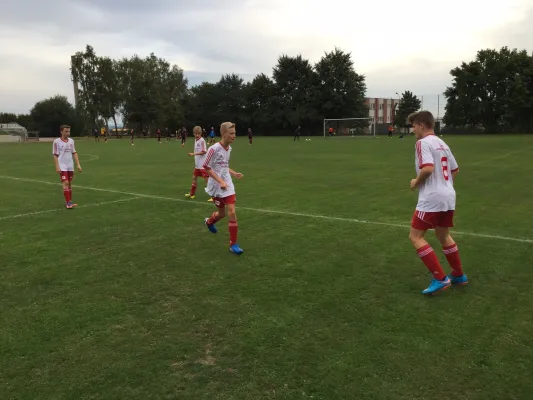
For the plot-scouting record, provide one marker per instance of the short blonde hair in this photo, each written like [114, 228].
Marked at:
[197, 130]
[63, 127]
[224, 126]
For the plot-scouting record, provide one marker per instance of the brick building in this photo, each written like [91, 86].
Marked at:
[382, 109]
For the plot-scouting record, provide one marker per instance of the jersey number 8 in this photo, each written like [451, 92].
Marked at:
[444, 163]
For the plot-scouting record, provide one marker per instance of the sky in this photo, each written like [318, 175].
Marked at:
[397, 45]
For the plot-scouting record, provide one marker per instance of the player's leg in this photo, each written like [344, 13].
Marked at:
[70, 178]
[192, 192]
[451, 251]
[216, 216]
[233, 228]
[419, 227]
[64, 183]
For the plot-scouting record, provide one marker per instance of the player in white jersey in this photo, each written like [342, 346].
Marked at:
[64, 156]
[220, 185]
[436, 169]
[199, 154]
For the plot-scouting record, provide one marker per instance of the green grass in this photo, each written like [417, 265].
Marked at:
[136, 300]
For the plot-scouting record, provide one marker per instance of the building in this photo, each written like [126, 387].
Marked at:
[382, 109]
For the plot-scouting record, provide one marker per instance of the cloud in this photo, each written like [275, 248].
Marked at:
[207, 38]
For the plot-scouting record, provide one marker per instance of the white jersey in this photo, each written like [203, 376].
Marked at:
[199, 146]
[437, 192]
[64, 151]
[217, 159]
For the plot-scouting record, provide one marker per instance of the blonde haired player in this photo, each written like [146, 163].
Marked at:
[64, 156]
[200, 151]
[436, 169]
[220, 185]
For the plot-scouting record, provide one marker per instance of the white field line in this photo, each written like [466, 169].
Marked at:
[63, 208]
[278, 212]
[94, 157]
[486, 160]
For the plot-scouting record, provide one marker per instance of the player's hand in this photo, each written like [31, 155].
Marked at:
[413, 184]
[58, 170]
[79, 168]
[190, 154]
[238, 175]
[224, 186]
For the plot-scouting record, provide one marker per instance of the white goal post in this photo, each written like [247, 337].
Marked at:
[350, 127]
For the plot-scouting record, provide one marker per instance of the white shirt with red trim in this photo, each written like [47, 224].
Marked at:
[217, 159]
[64, 151]
[199, 146]
[437, 192]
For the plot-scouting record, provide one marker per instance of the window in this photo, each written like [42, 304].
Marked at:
[380, 119]
[381, 106]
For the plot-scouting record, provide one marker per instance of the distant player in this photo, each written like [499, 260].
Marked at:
[220, 185]
[96, 136]
[250, 135]
[212, 136]
[436, 170]
[183, 136]
[391, 130]
[297, 133]
[168, 134]
[200, 151]
[64, 156]
[158, 134]
[132, 135]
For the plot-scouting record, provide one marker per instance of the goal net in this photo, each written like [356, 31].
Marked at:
[350, 127]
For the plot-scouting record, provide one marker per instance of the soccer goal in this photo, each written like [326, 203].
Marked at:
[350, 127]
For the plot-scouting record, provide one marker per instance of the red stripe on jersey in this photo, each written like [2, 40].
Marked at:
[426, 165]
[208, 158]
[455, 170]
[419, 152]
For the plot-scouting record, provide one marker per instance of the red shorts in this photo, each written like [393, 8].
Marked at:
[221, 202]
[66, 175]
[423, 220]
[201, 173]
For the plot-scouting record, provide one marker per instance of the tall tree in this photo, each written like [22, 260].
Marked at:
[494, 91]
[259, 95]
[409, 103]
[296, 89]
[341, 91]
[49, 114]
[84, 71]
[107, 93]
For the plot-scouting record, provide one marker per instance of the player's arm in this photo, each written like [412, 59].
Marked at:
[423, 175]
[237, 175]
[209, 170]
[454, 166]
[77, 159]
[55, 154]
[426, 165]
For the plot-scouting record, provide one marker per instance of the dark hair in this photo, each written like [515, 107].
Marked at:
[422, 117]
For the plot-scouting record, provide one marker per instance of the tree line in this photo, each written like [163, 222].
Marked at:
[493, 93]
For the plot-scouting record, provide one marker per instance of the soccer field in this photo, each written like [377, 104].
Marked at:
[130, 297]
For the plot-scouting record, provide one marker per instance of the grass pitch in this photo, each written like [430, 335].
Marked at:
[130, 297]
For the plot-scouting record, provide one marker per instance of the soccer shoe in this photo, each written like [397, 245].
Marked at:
[71, 205]
[210, 200]
[459, 280]
[436, 286]
[235, 249]
[212, 228]
[188, 195]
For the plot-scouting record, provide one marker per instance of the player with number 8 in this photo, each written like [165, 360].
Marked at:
[436, 169]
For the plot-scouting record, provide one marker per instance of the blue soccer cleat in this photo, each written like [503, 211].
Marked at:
[436, 286]
[459, 280]
[234, 248]
[212, 228]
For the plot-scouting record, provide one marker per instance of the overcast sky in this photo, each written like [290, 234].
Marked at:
[397, 45]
